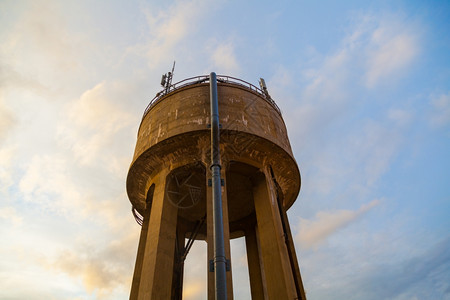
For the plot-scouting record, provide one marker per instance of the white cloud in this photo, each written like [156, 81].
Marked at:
[328, 82]
[39, 47]
[94, 121]
[47, 183]
[168, 28]
[380, 47]
[324, 97]
[373, 149]
[334, 113]
[7, 119]
[103, 269]
[401, 117]
[59, 186]
[224, 59]
[348, 163]
[6, 179]
[312, 232]
[390, 52]
[376, 50]
[10, 214]
[441, 110]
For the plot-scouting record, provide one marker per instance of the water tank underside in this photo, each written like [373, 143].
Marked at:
[174, 136]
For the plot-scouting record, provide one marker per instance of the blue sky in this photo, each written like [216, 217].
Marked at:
[364, 87]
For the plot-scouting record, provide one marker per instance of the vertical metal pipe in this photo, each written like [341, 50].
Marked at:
[219, 248]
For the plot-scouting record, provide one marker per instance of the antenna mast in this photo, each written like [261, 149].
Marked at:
[166, 79]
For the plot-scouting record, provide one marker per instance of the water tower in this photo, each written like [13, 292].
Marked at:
[213, 162]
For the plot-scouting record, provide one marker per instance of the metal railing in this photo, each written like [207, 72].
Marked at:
[137, 216]
[204, 79]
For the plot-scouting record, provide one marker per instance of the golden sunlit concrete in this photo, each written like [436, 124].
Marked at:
[168, 185]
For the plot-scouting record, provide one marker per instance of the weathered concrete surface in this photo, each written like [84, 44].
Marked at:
[187, 109]
[175, 132]
[257, 286]
[171, 160]
[157, 261]
[279, 280]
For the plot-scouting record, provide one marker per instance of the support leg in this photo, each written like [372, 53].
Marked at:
[254, 265]
[157, 262]
[277, 271]
[140, 256]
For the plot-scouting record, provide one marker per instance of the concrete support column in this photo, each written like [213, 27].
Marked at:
[157, 261]
[210, 239]
[289, 241]
[254, 264]
[226, 235]
[178, 266]
[140, 256]
[277, 271]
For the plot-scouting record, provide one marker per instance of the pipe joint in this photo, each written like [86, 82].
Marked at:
[215, 165]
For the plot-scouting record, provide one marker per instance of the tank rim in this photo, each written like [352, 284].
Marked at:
[201, 79]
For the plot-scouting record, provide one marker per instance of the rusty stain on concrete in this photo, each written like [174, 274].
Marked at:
[174, 144]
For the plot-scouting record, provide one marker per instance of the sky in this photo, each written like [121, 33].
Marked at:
[364, 88]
